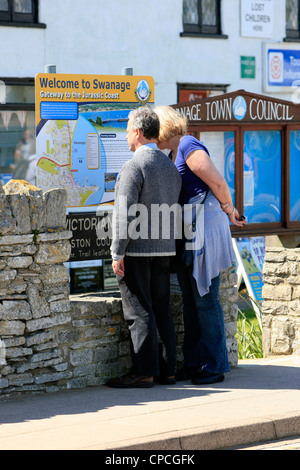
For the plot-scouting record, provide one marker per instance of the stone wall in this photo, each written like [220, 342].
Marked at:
[281, 306]
[101, 342]
[50, 340]
[34, 287]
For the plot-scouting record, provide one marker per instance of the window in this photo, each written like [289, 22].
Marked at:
[262, 176]
[192, 91]
[17, 130]
[294, 190]
[19, 11]
[201, 17]
[292, 19]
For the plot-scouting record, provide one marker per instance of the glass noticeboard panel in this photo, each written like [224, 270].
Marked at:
[294, 175]
[262, 176]
[221, 147]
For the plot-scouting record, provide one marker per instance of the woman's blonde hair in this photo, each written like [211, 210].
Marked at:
[171, 123]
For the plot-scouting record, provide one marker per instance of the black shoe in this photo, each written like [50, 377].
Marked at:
[130, 381]
[204, 377]
[165, 380]
[185, 373]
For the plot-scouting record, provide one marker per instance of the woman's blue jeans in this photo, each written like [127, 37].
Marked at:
[204, 344]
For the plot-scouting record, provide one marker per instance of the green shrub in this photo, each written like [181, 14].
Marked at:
[249, 333]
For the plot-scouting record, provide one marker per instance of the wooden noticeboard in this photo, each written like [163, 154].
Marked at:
[265, 190]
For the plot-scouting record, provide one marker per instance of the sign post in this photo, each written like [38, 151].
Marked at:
[81, 123]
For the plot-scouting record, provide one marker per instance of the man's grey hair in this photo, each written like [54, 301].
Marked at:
[146, 120]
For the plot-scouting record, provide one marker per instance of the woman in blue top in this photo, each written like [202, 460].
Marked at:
[205, 352]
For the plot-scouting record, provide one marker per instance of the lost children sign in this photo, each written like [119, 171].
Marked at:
[257, 18]
[81, 123]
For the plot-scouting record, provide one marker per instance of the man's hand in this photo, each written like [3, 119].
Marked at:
[118, 267]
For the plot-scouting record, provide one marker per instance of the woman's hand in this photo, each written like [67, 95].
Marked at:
[236, 219]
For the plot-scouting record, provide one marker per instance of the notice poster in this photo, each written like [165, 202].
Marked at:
[221, 148]
[214, 142]
[250, 254]
[81, 123]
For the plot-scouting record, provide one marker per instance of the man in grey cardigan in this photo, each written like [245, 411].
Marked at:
[146, 198]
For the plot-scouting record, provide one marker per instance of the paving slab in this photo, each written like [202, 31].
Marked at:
[258, 401]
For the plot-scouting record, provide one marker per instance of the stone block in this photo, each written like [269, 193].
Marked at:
[47, 322]
[20, 262]
[13, 342]
[20, 379]
[20, 210]
[54, 236]
[81, 357]
[52, 275]
[296, 292]
[106, 354]
[16, 240]
[39, 338]
[3, 383]
[56, 204]
[12, 328]
[15, 310]
[294, 307]
[17, 286]
[276, 269]
[281, 292]
[60, 306]
[39, 306]
[274, 255]
[7, 275]
[54, 253]
[282, 332]
[37, 211]
[45, 356]
[52, 377]
[270, 307]
[7, 221]
[87, 369]
[18, 352]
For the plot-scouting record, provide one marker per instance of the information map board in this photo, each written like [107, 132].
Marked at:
[81, 123]
[250, 255]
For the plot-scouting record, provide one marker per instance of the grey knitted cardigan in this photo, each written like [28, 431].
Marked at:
[150, 180]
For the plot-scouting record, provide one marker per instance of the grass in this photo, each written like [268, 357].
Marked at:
[249, 332]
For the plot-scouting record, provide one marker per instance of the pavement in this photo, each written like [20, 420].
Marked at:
[259, 401]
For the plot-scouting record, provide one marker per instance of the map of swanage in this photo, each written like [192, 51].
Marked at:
[71, 157]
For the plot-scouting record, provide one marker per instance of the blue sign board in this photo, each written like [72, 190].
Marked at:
[283, 67]
[250, 255]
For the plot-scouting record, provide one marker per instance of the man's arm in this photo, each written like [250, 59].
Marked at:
[128, 187]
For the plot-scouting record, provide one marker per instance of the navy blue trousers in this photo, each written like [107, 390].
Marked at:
[145, 292]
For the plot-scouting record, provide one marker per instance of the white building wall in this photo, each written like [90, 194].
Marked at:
[102, 37]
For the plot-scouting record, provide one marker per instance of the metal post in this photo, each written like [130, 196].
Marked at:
[127, 71]
[51, 68]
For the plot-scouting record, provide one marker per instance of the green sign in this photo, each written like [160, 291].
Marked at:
[247, 67]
